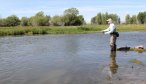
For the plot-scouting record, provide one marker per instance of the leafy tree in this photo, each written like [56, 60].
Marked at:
[24, 21]
[79, 20]
[133, 19]
[119, 21]
[12, 20]
[93, 20]
[114, 17]
[127, 19]
[71, 11]
[57, 20]
[144, 17]
[2, 22]
[141, 17]
[101, 18]
[72, 17]
[104, 18]
[39, 19]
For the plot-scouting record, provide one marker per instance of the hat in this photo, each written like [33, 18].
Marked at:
[109, 20]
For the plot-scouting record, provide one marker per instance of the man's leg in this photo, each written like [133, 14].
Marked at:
[113, 42]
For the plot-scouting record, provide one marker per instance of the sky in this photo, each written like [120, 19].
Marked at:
[87, 8]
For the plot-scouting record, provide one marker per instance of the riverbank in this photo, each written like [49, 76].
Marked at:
[19, 30]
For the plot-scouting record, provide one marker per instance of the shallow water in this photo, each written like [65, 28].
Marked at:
[71, 59]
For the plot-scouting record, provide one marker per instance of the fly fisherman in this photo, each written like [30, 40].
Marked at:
[112, 31]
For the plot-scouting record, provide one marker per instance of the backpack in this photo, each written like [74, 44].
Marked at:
[117, 34]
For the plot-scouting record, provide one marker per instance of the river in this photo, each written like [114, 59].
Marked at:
[71, 59]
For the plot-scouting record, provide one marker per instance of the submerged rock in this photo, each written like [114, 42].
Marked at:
[124, 48]
[139, 49]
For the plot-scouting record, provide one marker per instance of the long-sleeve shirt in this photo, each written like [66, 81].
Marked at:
[110, 29]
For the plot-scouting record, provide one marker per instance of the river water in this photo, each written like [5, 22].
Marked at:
[71, 59]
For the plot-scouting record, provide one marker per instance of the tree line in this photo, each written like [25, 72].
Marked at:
[70, 17]
[136, 19]
[101, 18]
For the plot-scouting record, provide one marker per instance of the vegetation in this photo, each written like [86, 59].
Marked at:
[33, 30]
[101, 18]
[70, 17]
[67, 23]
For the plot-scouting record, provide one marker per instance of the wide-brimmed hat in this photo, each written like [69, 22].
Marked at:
[109, 20]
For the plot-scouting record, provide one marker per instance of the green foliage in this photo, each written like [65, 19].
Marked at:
[12, 20]
[72, 17]
[39, 20]
[2, 22]
[141, 17]
[57, 20]
[93, 20]
[101, 18]
[131, 19]
[71, 11]
[24, 21]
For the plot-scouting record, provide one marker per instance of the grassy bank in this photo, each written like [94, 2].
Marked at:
[7, 31]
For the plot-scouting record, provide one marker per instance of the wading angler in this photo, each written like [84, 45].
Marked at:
[113, 34]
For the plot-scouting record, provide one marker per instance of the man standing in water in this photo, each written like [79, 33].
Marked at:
[112, 31]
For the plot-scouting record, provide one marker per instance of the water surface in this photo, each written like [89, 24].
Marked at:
[71, 59]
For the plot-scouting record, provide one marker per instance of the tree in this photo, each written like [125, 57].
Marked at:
[144, 17]
[119, 21]
[40, 14]
[99, 18]
[141, 17]
[114, 18]
[2, 22]
[133, 19]
[24, 21]
[12, 20]
[127, 19]
[93, 20]
[72, 17]
[71, 11]
[57, 20]
[79, 20]
[104, 18]
[39, 19]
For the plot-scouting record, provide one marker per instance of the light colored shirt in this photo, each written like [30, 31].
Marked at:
[110, 29]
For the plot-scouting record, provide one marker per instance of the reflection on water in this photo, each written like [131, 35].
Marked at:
[113, 65]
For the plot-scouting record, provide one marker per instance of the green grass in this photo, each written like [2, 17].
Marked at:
[134, 27]
[9, 31]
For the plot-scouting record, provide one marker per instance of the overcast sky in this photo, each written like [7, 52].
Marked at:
[87, 8]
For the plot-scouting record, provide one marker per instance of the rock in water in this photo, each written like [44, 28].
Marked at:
[124, 48]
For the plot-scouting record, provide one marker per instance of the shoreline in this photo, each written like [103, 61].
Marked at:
[86, 29]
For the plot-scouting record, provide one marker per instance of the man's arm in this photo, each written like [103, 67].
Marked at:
[106, 30]
[111, 29]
